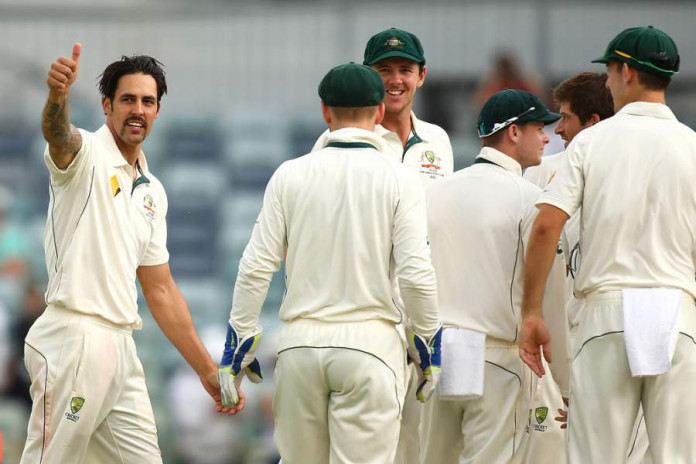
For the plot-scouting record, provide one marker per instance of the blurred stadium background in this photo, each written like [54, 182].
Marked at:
[242, 98]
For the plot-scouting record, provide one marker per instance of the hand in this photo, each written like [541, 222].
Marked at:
[212, 386]
[563, 414]
[427, 356]
[237, 360]
[534, 334]
[63, 73]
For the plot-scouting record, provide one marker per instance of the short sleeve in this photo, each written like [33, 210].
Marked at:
[78, 168]
[565, 191]
[156, 252]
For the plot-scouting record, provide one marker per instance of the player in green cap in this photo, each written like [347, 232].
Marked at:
[479, 220]
[632, 174]
[398, 57]
[337, 217]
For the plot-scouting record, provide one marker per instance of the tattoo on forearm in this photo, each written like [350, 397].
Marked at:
[63, 138]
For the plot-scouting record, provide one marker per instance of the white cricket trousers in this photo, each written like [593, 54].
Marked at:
[544, 441]
[604, 397]
[90, 402]
[408, 449]
[335, 402]
[485, 430]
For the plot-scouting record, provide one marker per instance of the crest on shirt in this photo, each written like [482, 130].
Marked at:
[430, 160]
[149, 207]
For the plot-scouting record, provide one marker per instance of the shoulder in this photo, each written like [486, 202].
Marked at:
[433, 132]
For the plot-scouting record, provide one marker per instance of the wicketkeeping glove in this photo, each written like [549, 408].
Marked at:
[238, 360]
[427, 356]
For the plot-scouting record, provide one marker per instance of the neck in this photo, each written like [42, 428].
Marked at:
[336, 125]
[649, 96]
[399, 123]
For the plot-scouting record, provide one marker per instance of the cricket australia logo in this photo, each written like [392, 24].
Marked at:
[540, 416]
[394, 43]
[75, 405]
[150, 208]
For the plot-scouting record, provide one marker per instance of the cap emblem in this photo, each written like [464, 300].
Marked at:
[394, 43]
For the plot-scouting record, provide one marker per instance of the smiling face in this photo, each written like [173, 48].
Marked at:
[401, 78]
[132, 111]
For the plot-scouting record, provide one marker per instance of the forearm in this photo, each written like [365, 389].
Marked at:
[63, 138]
[541, 252]
[171, 313]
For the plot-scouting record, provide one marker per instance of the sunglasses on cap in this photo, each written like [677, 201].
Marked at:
[502, 125]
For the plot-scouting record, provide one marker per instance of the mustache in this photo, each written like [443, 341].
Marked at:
[135, 119]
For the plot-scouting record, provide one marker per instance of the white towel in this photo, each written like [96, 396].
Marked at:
[463, 360]
[651, 323]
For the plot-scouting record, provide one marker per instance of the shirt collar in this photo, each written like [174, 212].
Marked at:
[117, 159]
[501, 159]
[641, 108]
[353, 134]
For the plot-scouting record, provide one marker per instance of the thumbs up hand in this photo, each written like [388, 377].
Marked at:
[63, 73]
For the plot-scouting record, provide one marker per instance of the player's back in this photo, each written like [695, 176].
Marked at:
[639, 205]
[339, 205]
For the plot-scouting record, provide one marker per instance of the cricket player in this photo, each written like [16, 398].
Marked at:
[582, 100]
[632, 174]
[337, 217]
[106, 227]
[478, 223]
[399, 58]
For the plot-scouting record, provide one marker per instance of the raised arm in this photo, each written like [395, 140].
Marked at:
[64, 140]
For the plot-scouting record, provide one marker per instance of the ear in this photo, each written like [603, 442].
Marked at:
[421, 76]
[513, 132]
[381, 108]
[106, 105]
[326, 113]
[627, 73]
[594, 119]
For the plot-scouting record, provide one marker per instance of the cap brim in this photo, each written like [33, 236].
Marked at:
[391, 54]
[547, 117]
[602, 59]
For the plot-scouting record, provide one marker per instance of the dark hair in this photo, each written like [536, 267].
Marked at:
[138, 64]
[652, 81]
[587, 94]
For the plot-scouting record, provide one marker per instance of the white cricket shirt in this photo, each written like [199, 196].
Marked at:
[633, 174]
[101, 226]
[479, 220]
[336, 216]
[428, 150]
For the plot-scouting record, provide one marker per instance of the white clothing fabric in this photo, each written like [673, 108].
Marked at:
[570, 239]
[484, 430]
[633, 175]
[463, 362]
[603, 411]
[479, 221]
[337, 216]
[101, 227]
[651, 322]
[90, 402]
[428, 150]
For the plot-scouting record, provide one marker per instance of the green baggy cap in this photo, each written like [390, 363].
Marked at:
[644, 48]
[393, 42]
[352, 85]
[512, 107]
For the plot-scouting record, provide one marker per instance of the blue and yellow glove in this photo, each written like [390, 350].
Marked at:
[427, 355]
[238, 360]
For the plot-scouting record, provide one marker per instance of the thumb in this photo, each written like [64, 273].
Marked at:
[76, 51]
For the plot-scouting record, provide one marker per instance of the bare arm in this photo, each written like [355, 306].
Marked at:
[172, 314]
[63, 138]
[541, 252]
